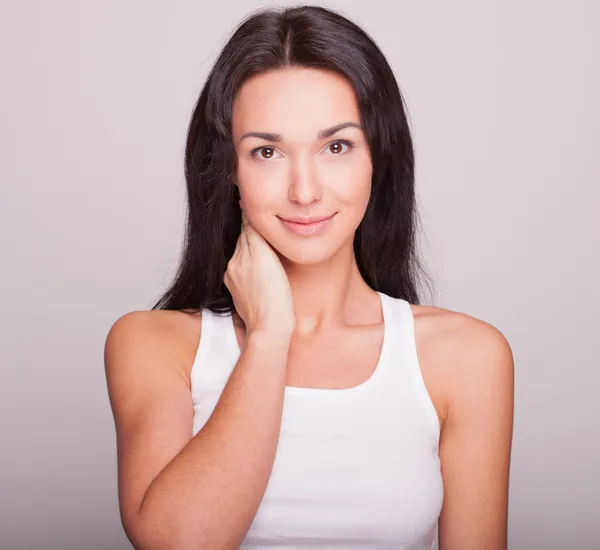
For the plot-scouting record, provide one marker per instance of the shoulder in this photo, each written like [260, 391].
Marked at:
[460, 355]
[162, 334]
[458, 332]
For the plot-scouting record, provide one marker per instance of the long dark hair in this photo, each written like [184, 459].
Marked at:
[385, 242]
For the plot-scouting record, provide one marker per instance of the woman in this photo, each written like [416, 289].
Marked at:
[288, 391]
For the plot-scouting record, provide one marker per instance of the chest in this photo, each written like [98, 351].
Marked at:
[355, 477]
[336, 360]
[357, 469]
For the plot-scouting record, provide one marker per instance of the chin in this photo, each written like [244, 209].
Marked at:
[304, 251]
[313, 250]
[305, 257]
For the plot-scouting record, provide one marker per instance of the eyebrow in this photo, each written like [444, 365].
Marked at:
[268, 136]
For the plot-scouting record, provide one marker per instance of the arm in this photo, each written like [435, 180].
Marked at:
[476, 440]
[179, 492]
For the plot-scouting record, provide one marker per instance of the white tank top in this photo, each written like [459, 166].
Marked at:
[354, 468]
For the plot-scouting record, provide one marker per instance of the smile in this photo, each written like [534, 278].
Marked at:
[307, 229]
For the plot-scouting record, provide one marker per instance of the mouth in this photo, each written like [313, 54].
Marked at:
[307, 226]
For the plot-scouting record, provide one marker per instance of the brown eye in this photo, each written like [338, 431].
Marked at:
[268, 156]
[335, 147]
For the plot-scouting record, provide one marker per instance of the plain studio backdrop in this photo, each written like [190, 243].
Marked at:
[95, 101]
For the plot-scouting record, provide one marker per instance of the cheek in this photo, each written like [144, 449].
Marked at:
[349, 177]
[258, 188]
[260, 198]
[258, 204]
[352, 188]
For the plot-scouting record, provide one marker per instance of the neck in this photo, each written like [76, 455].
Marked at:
[331, 294]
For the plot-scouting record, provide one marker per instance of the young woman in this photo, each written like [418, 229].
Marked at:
[288, 391]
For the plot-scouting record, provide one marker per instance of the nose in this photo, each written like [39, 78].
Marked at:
[304, 187]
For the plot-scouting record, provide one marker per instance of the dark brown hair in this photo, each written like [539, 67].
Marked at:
[385, 242]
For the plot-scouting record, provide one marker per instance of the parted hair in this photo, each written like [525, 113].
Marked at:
[386, 241]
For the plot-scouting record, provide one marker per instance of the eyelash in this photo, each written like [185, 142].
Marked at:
[350, 144]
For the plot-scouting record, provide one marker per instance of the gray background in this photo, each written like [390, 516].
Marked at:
[96, 97]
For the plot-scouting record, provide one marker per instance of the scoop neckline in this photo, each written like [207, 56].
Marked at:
[382, 360]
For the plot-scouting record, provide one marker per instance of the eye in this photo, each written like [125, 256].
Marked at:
[263, 148]
[345, 142]
[350, 145]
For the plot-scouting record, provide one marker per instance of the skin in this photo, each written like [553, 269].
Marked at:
[300, 176]
[467, 364]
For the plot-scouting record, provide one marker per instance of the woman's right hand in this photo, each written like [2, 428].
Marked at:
[259, 285]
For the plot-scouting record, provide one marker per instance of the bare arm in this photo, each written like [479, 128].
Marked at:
[475, 446]
[179, 492]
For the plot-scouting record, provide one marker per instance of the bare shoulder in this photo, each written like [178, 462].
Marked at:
[455, 351]
[169, 335]
[147, 357]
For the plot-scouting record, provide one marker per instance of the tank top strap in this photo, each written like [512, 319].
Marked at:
[405, 353]
[206, 334]
[210, 366]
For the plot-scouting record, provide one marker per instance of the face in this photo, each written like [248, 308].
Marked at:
[300, 173]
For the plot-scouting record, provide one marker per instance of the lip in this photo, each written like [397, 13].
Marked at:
[307, 226]
[307, 220]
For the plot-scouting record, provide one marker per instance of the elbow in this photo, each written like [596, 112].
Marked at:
[150, 533]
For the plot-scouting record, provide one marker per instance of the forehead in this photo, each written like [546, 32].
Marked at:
[294, 102]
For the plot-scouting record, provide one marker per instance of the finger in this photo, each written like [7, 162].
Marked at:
[246, 231]
[238, 243]
[238, 246]
[245, 222]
